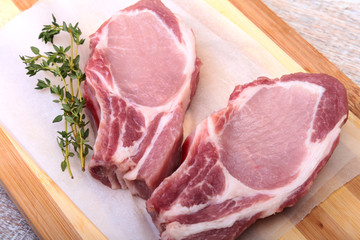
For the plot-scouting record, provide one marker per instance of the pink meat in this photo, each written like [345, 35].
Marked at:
[141, 76]
[253, 158]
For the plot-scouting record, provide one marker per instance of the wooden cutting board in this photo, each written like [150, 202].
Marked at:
[51, 213]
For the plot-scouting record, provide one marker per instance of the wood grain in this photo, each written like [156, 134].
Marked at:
[23, 5]
[48, 209]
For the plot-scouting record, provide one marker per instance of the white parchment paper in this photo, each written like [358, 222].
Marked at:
[229, 57]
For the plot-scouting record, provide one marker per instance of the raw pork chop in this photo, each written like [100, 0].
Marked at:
[253, 158]
[141, 76]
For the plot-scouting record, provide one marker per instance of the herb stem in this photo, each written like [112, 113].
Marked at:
[71, 49]
[67, 150]
[72, 89]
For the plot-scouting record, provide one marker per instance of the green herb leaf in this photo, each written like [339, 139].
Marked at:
[66, 108]
[58, 119]
[41, 84]
[54, 19]
[35, 50]
[69, 119]
[63, 165]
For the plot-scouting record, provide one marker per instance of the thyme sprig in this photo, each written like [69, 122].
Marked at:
[63, 64]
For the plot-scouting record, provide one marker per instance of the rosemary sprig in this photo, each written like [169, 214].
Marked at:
[63, 64]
